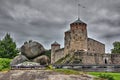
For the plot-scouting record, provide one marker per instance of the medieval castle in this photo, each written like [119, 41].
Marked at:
[80, 48]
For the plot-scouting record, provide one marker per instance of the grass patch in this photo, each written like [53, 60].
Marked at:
[64, 71]
[67, 71]
[116, 76]
[4, 64]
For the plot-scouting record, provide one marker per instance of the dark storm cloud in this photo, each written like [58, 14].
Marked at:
[111, 35]
[46, 20]
[109, 22]
[47, 24]
[27, 21]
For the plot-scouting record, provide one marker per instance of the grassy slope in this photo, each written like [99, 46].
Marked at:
[115, 75]
[67, 71]
[4, 64]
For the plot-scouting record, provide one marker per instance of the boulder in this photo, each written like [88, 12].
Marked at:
[43, 60]
[19, 59]
[32, 49]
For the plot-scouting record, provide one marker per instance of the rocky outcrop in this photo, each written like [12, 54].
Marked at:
[41, 75]
[32, 49]
[42, 60]
[19, 59]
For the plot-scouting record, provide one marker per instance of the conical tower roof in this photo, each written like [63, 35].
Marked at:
[78, 21]
[55, 44]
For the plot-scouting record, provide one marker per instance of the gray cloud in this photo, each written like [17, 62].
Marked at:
[111, 35]
[46, 20]
[109, 22]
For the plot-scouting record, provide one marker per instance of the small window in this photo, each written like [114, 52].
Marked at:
[80, 37]
[75, 34]
[82, 29]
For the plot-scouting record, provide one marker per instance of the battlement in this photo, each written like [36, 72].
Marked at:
[78, 24]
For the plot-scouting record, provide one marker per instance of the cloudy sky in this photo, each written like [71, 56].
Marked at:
[47, 20]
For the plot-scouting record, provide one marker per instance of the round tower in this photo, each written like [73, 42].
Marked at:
[55, 46]
[78, 35]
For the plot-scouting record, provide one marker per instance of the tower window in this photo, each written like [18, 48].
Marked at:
[73, 31]
[75, 34]
[80, 37]
[82, 29]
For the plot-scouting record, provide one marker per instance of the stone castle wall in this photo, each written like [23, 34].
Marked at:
[90, 58]
[115, 58]
[95, 58]
[95, 46]
[67, 39]
[59, 54]
[53, 49]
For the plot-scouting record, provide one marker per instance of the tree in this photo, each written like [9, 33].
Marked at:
[8, 47]
[116, 48]
[48, 53]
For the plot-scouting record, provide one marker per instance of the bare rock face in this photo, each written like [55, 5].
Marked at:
[32, 49]
[19, 59]
[41, 75]
[42, 60]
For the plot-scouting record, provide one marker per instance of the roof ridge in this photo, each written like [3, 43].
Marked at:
[78, 21]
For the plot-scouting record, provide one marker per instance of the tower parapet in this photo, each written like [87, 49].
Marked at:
[77, 37]
[78, 24]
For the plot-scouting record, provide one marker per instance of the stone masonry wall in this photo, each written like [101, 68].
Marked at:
[67, 40]
[115, 58]
[88, 59]
[95, 46]
[78, 37]
[53, 49]
[92, 58]
[59, 54]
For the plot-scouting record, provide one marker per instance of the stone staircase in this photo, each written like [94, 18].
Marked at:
[70, 59]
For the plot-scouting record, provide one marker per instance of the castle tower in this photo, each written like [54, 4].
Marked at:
[76, 37]
[55, 46]
[67, 40]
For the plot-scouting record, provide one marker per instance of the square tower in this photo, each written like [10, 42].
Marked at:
[77, 36]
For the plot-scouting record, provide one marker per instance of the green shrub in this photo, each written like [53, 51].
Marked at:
[4, 64]
[106, 76]
[48, 53]
[50, 67]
